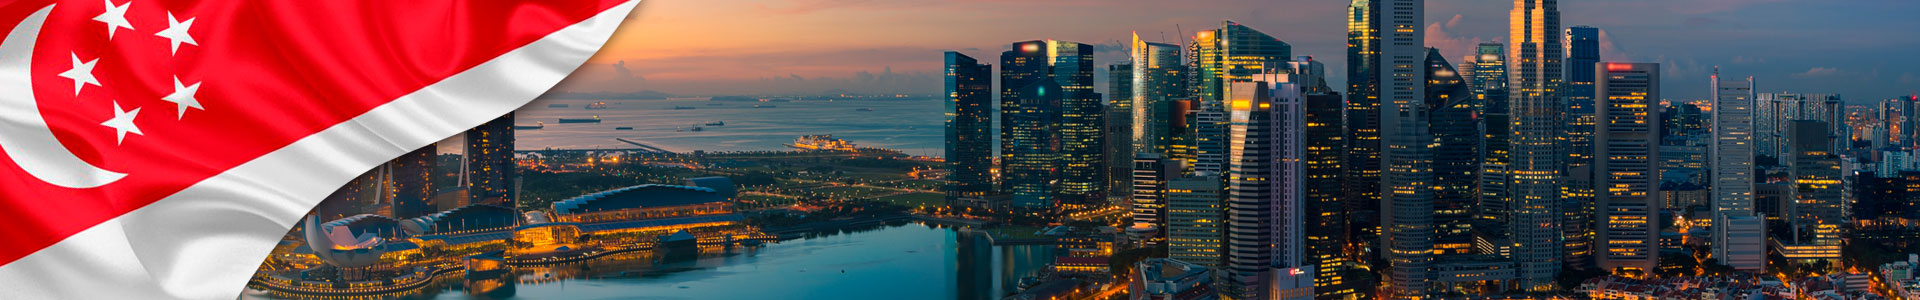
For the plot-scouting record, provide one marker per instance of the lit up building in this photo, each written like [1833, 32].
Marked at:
[1775, 113]
[1406, 176]
[1231, 53]
[1363, 123]
[1149, 185]
[1489, 66]
[1454, 122]
[641, 202]
[1265, 192]
[1170, 279]
[1195, 216]
[1050, 125]
[1119, 132]
[1207, 127]
[969, 109]
[1536, 105]
[1816, 213]
[489, 170]
[1326, 211]
[1155, 79]
[1578, 201]
[411, 177]
[1732, 151]
[1626, 166]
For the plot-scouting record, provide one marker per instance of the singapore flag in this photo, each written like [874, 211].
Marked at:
[155, 149]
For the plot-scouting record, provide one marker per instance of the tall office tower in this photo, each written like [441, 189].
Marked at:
[1265, 186]
[1626, 166]
[1489, 84]
[1363, 121]
[1221, 56]
[969, 108]
[1195, 217]
[1050, 125]
[1577, 201]
[1406, 178]
[1155, 81]
[490, 162]
[412, 176]
[1149, 203]
[1779, 110]
[1119, 133]
[1816, 211]
[1489, 68]
[1538, 111]
[1732, 168]
[1326, 212]
[1455, 124]
[1207, 130]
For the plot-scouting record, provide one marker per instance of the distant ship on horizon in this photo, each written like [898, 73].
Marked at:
[597, 105]
[595, 119]
[536, 126]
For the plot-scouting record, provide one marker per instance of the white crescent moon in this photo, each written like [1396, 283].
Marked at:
[23, 134]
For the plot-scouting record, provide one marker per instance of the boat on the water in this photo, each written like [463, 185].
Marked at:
[684, 107]
[595, 119]
[597, 105]
[696, 128]
[716, 123]
[556, 106]
[864, 109]
[824, 142]
[536, 126]
[623, 128]
[762, 106]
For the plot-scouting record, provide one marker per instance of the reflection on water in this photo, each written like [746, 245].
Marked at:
[910, 261]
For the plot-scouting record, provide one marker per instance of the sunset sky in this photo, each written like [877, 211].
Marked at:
[1864, 49]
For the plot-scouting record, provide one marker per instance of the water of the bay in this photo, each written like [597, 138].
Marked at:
[910, 125]
[910, 261]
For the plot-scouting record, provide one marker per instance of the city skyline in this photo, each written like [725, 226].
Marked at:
[877, 37]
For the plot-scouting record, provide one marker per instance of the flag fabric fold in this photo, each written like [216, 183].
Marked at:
[229, 120]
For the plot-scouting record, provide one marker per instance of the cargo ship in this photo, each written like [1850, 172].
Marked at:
[595, 119]
[716, 123]
[556, 106]
[763, 106]
[597, 105]
[536, 126]
[684, 107]
[824, 142]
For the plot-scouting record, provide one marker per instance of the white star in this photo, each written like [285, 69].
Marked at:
[82, 73]
[122, 122]
[115, 17]
[183, 95]
[177, 31]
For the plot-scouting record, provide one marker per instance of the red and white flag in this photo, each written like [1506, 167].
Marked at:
[155, 149]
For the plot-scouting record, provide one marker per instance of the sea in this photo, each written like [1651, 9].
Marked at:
[901, 261]
[913, 126]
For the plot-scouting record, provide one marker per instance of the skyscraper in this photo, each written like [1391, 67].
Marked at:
[969, 110]
[1454, 122]
[1221, 56]
[1326, 211]
[1156, 79]
[1050, 125]
[1489, 83]
[1195, 219]
[1406, 177]
[1538, 111]
[1265, 185]
[1489, 68]
[1816, 212]
[1119, 132]
[412, 176]
[490, 162]
[1626, 166]
[1149, 203]
[1578, 205]
[1363, 120]
[1738, 234]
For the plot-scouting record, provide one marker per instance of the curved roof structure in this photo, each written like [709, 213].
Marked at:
[639, 196]
[338, 246]
[464, 218]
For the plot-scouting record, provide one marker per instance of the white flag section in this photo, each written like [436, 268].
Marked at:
[206, 241]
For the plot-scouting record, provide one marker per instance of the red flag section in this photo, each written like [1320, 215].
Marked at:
[172, 92]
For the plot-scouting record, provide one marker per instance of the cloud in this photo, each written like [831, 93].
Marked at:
[1440, 36]
[1740, 59]
[624, 73]
[1817, 72]
[1610, 51]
